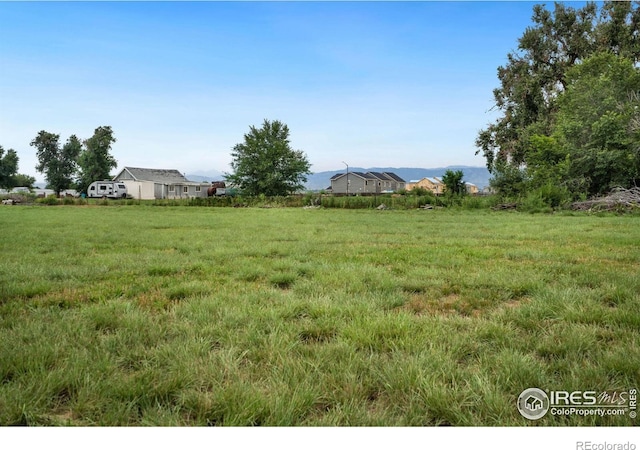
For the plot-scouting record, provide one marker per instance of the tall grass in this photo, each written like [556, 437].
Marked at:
[218, 316]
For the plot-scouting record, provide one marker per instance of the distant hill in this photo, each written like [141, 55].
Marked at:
[477, 175]
[207, 176]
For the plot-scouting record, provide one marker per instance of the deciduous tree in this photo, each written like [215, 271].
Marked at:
[537, 74]
[58, 164]
[95, 160]
[266, 164]
[454, 183]
[596, 122]
[8, 168]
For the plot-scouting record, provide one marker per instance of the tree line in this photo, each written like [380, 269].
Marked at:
[569, 103]
[264, 164]
[74, 164]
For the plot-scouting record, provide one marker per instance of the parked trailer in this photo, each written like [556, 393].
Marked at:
[107, 189]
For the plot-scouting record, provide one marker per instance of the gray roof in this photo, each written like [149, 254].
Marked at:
[155, 175]
[366, 176]
[378, 175]
[384, 176]
[387, 176]
[393, 176]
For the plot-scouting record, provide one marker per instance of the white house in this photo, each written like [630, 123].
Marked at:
[151, 184]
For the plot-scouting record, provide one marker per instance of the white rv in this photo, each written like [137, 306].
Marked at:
[107, 189]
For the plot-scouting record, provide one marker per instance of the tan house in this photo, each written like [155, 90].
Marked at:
[432, 184]
[472, 189]
[435, 185]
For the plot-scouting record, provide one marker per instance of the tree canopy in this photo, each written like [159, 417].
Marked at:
[454, 183]
[77, 163]
[553, 87]
[266, 164]
[594, 123]
[8, 168]
[95, 160]
[58, 164]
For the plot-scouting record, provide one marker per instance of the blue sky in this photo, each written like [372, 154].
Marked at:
[374, 84]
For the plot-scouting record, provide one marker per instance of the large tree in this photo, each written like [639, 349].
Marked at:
[266, 164]
[8, 168]
[95, 160]
[536, 74]
[58, 164]
[595, 123]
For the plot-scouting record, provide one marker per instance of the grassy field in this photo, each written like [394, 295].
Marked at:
[141, 315]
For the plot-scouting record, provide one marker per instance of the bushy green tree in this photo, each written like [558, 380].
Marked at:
[595, 121]
[95, 160]
[509, 180]
[8, 168]
[547, 161]
[265, 163]
[532, 79]
[454, 183]
[532, 83]
[58, 164]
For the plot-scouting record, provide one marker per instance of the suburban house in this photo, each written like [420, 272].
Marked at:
[432, 184]
[435, 185]
[151, 184]
[366, 183]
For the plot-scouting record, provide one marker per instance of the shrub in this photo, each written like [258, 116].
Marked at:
[419, 191]
[475, 202]
[50, 200]
[554, 195]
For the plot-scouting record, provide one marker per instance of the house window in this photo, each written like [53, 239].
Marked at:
[198, 188]
[185, 189]
[172, 188]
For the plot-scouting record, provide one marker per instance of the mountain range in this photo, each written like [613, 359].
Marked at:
[321, 180]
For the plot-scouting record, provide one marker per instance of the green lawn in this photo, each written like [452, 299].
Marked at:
[142, 315]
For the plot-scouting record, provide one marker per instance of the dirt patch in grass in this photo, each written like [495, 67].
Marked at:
[454, 304]
[421, 303]
[515, 303]
[154, 300]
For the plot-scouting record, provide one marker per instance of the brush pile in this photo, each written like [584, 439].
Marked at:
[618, 199]
[504, 206]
